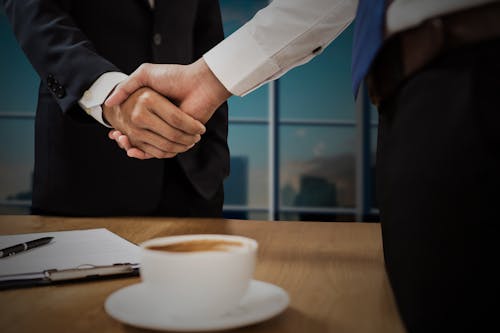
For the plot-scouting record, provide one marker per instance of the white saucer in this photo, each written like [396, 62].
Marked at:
[131, 306]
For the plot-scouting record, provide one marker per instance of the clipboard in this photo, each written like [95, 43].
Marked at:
[72, 256]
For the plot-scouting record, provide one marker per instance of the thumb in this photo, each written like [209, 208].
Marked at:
[126, 88]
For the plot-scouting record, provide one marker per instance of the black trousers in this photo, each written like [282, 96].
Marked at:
[438, 189]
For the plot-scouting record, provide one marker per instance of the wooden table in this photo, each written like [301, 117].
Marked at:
[333, 272]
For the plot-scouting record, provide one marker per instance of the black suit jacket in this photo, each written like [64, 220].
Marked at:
[70, 43]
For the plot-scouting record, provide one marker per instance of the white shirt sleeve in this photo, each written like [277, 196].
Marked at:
[281, 36]
[95, 96]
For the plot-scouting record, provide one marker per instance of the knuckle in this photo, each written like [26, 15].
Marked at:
[145, 96]
[137, 116]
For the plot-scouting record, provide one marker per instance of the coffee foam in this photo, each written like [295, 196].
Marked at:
[202, 245]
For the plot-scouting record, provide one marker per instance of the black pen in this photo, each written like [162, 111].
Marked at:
[8, 251]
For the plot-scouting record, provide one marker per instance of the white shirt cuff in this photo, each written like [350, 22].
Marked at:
[95, 96]
[239, 63]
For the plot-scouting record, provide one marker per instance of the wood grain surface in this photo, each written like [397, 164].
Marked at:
[333, 272]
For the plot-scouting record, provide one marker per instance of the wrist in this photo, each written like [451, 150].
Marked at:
[210, 85]
[106, 110]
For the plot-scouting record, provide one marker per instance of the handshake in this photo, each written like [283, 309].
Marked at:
[160, 110]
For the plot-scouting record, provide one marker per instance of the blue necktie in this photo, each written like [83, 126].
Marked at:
[368, 37]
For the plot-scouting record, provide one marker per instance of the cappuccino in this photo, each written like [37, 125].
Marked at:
[199, 275]
[198, 245]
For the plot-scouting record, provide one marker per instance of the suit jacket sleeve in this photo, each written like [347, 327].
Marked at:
[64, 58]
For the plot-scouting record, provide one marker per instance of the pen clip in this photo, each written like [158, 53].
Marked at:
[89, 271]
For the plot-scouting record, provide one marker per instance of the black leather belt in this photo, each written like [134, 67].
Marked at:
[407, 52]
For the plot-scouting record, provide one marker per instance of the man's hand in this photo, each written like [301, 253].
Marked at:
[124, 143]
[153, 124]
[194, 88]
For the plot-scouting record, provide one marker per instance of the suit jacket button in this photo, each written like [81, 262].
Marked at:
[60, 92]
[157, 39]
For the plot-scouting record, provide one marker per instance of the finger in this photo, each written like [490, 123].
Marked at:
[176, 118]
[120, 144]
[126, 88]
[170, 133]
[122, 91]
[124, 142]
[152, 151]
[155, 112]
[114, 134]
[139, 154]
[145, 115]
[159, 142]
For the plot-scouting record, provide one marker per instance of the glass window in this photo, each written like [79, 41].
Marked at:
[19, 81]
[18, 97]
[16, 159]
[235, 13]
[252, 106]
[247, 186]
[321, 89]
[248, 181]
[317, 166]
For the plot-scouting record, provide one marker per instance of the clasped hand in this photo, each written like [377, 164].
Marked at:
[161, 109]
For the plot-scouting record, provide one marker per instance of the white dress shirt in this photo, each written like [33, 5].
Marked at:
[288, 33]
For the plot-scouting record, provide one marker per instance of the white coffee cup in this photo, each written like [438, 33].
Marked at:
[205, 282]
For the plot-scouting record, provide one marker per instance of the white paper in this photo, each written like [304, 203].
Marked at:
[68, 249]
